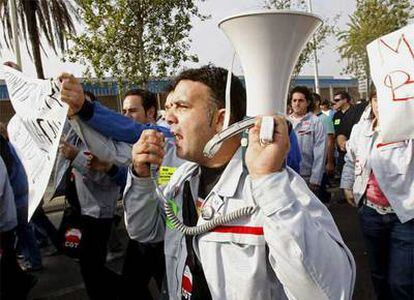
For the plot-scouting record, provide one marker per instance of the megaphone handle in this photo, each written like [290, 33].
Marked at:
[266, 130]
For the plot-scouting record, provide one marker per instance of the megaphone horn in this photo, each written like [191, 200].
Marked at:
[268, 44]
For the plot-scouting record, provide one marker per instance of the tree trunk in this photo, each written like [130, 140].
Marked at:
[30, 13]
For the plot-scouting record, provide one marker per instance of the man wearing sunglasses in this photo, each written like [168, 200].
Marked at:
[346, 116]
[342, 105]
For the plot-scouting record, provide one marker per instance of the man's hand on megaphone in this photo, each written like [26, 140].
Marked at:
[71, 93]
[148, 150]
[261, 159]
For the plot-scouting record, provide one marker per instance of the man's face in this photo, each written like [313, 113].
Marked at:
[299, 104]
[133, 108]
[339, 103]
[193, 119]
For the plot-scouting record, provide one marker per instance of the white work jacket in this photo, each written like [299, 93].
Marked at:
[312, 138]
[392, 164]
[273, 254]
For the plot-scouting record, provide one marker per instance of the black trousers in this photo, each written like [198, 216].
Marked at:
[323, 193]
[14, 283]
[42, 221]
[100, 282]
[142, 261]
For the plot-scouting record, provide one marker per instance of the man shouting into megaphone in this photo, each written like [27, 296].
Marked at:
[273, 253]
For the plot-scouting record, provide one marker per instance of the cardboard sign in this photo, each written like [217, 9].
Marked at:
[391, 59]
[36, 128]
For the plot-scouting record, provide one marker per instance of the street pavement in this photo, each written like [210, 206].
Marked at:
[61, 277]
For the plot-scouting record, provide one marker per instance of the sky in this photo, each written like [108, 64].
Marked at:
[210, 43]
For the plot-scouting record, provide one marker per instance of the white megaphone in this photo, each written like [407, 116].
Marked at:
[268, 44]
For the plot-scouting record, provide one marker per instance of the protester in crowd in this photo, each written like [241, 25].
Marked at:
[324, 195]
[341, 104]
[97, 195]
[311, 136]
[325, 107]
[348, 121]
[143, 261]
[346, 116]
[26, 239]
[379, 178]
[14, 283]
[146, 223]
[196, 113]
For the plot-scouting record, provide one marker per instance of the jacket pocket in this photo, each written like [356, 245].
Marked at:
[397, 156]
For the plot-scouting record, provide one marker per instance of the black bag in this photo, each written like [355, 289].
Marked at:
[70, 232]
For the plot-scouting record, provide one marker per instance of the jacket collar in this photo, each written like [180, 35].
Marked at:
[305, 118]
[229, 180]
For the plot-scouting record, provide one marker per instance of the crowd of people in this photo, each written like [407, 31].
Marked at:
[171, 192]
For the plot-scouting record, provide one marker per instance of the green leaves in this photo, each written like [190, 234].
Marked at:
[319, 38]
[51, 19]
[134, 40]
[371, 20]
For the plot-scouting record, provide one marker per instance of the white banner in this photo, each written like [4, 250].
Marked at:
[36, 128]
[391, 59]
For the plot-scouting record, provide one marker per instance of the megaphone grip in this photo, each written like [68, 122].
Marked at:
[266, 130]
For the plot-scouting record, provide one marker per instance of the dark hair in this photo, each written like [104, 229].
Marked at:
[316, 98]
[215, 78]
[91, 96]
[148, 99]
[326, 102]
[344, 95]
[372, 94]
[305, 91]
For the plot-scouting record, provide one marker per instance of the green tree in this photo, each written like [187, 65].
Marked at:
[37, 19]
[319, 38]
[134, 40]
[370, 20]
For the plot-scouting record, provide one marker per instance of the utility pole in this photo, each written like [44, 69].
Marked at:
[315, 55]
[16, 45]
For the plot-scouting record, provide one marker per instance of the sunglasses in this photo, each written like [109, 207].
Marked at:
[337, 99]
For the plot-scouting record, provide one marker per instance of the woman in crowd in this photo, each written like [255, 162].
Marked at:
[378, 178]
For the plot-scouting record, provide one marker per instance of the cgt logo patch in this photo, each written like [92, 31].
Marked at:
[73, 238]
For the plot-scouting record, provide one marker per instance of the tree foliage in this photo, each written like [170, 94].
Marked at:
[319, 38]
[371, 20]
[37, 19]
[134, 40]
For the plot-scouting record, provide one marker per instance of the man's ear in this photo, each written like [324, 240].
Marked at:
[152, 118]
[219, 119]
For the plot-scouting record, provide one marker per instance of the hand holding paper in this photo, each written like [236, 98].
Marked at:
[71, 93]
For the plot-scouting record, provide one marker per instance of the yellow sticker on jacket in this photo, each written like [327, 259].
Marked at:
[164, 174]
